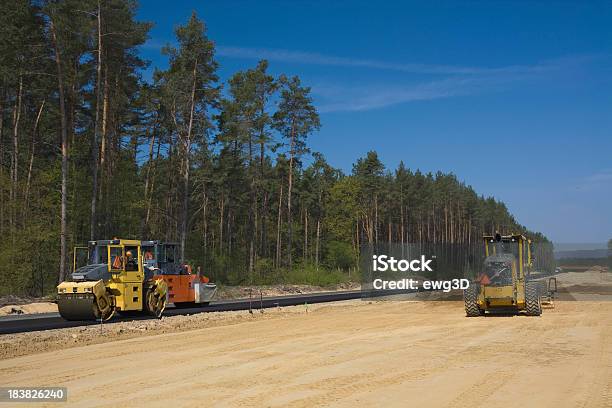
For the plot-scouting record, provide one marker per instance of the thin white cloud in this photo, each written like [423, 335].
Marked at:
[337, 98]
[594, 182]
[604, 176]
[455, 80]
[302, 57]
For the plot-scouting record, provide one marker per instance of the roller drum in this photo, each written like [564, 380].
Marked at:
[85, 301]
[78, 306]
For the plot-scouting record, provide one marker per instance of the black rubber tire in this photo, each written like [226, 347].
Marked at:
[470, 297]
[158, 311]
[533, 304]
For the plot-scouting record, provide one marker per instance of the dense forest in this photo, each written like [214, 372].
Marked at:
[91, 150]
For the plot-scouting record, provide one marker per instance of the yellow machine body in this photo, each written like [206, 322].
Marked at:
[97, 288]
[504, 283]
[125, 287]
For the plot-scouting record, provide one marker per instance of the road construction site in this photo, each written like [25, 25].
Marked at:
[349, 353]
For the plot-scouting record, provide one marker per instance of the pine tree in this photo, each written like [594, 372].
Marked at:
[189, 91]
[295, 119]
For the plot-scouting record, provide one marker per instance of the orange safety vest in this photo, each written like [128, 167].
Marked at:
[117, 262]
[484, 279]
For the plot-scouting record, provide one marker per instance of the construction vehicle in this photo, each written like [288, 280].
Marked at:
[185, 289]
[548, 293]
[112, 279]
[505, 284]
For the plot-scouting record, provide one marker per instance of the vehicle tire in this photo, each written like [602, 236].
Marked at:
[533, 304]
[104, 308]
[470, 297]
[155, 301]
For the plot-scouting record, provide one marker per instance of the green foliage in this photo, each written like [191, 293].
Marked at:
[310, 275]
[301, 275]
[340, 255]
[296, 116]
[343, 208]
[192, 70]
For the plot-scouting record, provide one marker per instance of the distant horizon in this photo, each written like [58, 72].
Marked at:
[579, 246]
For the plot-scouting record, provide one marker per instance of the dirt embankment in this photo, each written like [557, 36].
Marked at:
[14, 305]
[244, 292]
[594, 284]
[37, 307]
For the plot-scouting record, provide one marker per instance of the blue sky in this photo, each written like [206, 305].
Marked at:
[514, 97]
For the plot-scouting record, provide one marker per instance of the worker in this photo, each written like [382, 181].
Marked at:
[203, 278]
[148, 256]
[484, 279]
[130, 262]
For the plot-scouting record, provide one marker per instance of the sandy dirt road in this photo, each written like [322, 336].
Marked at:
[352, 354]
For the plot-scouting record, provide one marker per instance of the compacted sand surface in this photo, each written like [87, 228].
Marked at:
[386, 353]
[29, 308]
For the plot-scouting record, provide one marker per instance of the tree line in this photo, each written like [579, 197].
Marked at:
[90, 150]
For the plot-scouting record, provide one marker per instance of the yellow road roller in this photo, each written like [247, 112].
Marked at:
[505, 284]
[108, 276]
